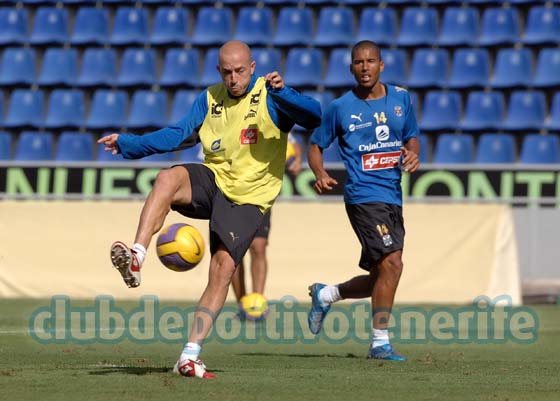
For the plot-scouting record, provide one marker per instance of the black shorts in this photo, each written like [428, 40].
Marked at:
[380, 229]
[264, 228]
[230, 224]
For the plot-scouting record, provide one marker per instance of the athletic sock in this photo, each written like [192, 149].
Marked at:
[140, 252]
[191, 351]
[379, 338]
[329, 294]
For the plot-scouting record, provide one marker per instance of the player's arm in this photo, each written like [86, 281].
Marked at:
[296, 165]
[321, 139]
[411, 149]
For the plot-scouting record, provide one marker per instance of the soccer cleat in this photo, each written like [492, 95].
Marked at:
[190, 368]
[318, 312]
[385, 352]
[125, 261]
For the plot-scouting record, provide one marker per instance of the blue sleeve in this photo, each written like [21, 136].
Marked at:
[183, 134]
[410, 129]
[287, 106]
[327, 131]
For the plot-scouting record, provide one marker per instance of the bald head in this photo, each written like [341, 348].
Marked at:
[236, 66]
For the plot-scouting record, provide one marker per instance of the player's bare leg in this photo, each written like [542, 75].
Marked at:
[259, 265]
[238, 281]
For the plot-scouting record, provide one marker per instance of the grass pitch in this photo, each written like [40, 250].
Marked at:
[263, 371]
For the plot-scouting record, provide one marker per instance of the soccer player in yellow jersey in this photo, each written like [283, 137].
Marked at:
[242, 124]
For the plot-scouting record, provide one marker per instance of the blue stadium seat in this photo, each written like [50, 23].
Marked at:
[470, 68]
[26, 108]
[191, 155]
[17, 66]
[107, 157]
[210, 75]
[108, 110]
[537, 149]
[158, 158]
[130, 26]
[148, 109]
[335, 27]
[170, 26]
[213, 26]
[442, 110]
[34, 146]
[303, 67]
[500, 26]
[182, 104]
[74, 146]
[323, 97]
[332, 153]
[13, 25]
[378, 23]
[459, 27]
[66, 109]
[547, 72]
[543, 26]
[91, 26]
[454, 149]
[5, 145]
[267, 60]
[180, 67]
[484, 111]
[513, 68]
[418, 27]
[294, 26]
[496, 148]
[429, 68]
[253, 25]
[395, 61]
[138, 67]
[554, 122]
[425, 148]
[50, 26]
[60, 67]
[99, 67]
[526, 110]
[338, 69]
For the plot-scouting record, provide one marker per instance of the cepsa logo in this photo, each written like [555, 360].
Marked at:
[380, 161]
[249, 136]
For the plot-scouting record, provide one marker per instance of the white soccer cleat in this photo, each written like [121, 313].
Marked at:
[191, 368]
[125, 261]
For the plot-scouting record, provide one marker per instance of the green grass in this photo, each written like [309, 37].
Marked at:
[131, 371]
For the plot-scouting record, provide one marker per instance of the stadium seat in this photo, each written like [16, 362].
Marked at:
[267, 60]
[50, 26]
[148, 109]
[253, 25]
[138, 67]
[459, 27]
[60, 67]
[513, 68]
[554, 122]
[454, 149]
[13, 25]
[500, 26]
[17, 66]
[180, 67]
[182, 104]
[108, 110]
[526, 110]
[294, 26]
[158, 158]
[395, 61]
[332, 153]
[26, 108]
[106, 157]
[429, 68]
[91, 26]
[547, 72]
[99, 67]
[170, 26]
[543, 26]
[130, 26]
[74, 146]
[303, 67]
[418, 27]
[324, 97]
[335, 27]
[338, 69]
[470, 68]
[210, 75]
[34, 146]
[442, 110]
[191, 155]
[66, 109]
[483, 111]
[425, 148]
[213, 26]
[537, 149]
[496, 148]
[5, 145]
[378, 23]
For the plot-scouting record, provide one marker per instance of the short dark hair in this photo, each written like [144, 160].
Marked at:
[363, 44]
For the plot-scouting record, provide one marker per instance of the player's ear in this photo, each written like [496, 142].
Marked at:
[253, 65]
[381, 66]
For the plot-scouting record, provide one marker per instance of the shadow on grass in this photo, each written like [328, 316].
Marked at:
[270, 354]
[136, 370]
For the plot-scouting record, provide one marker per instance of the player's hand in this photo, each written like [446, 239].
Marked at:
[324, 183]
[410, 161]
[274, 80]
[110, 142]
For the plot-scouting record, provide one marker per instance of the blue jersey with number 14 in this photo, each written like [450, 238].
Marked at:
[370, 134]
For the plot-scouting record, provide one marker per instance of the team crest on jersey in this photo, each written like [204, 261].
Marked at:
[398, 111]
[249, 136]
[255, 98]
[383, 231]
[216, 145]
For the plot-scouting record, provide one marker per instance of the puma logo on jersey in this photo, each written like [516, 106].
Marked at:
[357, 117]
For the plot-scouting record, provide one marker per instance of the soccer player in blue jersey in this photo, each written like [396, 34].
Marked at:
[377, 135]
[242, 124]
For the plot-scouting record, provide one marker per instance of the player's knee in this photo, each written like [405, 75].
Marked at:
[392, 266]
[221, 268]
